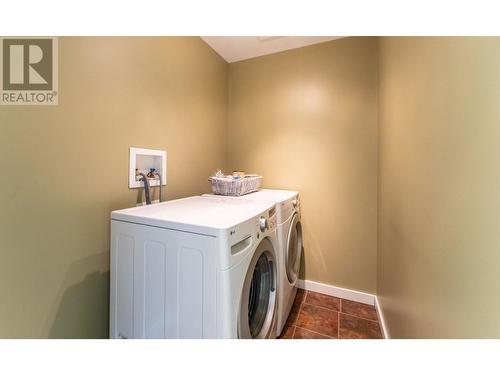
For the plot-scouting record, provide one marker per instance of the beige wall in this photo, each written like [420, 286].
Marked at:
[306, 119]
[439, 186]
[65, 168]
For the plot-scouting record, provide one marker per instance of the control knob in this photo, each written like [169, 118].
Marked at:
[263, 224]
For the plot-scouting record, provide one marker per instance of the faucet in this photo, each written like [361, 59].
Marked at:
[159, 178]
[146, 187]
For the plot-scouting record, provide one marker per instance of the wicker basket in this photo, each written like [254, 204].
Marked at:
[235, 187]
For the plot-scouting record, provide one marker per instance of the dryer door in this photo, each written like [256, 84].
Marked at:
[293, 250]
[258, 299]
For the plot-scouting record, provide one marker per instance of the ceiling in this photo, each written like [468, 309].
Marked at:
[236, 48]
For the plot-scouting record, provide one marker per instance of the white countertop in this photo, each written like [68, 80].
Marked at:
[204, 215]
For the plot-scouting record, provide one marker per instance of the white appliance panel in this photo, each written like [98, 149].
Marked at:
[154, 289]
[122, 262]
[168, 277]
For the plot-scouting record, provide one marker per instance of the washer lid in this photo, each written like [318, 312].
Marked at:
[202, 215]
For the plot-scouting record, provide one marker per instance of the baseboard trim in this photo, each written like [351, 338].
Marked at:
[381, 319]
[353, 295]
[336, 291]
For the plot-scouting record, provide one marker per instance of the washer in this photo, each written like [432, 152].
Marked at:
[289, 231]
[197, 267]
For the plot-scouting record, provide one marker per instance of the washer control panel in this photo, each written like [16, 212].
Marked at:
[266, 222]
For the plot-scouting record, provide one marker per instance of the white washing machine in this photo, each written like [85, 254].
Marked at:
[194, 268]
[289, 231]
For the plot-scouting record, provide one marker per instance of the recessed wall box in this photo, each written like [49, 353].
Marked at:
[143, 160]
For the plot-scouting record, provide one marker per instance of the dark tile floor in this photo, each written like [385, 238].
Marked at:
[318, 316]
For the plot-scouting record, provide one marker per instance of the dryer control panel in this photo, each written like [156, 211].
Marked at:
[289, 207]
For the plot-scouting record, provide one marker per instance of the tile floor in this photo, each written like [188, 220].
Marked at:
[318, 316]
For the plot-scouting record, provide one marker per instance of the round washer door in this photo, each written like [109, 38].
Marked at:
[258, 299]
[293, 249]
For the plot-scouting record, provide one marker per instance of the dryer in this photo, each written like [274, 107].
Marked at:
[289, 232]
[194, 268]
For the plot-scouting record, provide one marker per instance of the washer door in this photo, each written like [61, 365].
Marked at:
[258, 299]
[293, 250]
